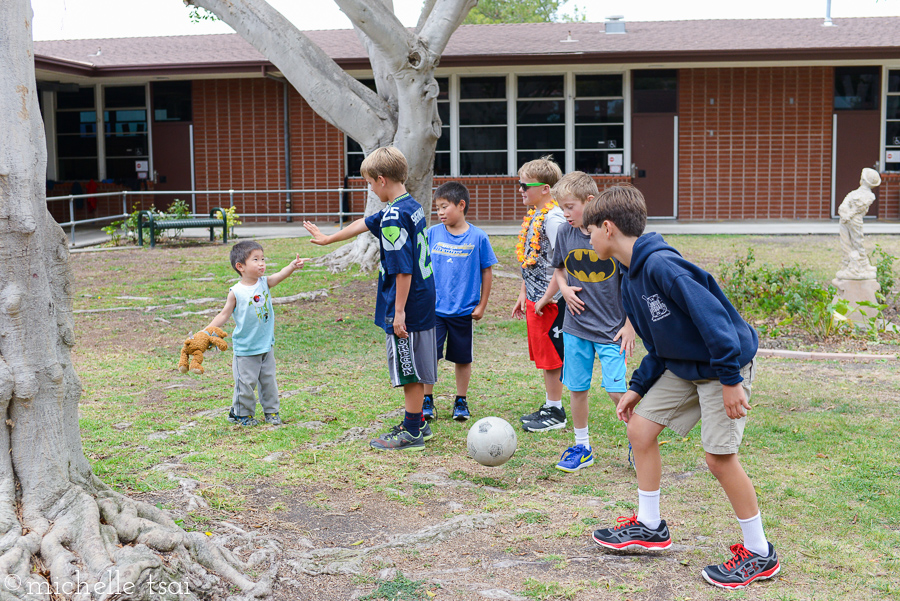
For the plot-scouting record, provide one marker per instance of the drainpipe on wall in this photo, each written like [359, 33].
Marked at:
[288, 201]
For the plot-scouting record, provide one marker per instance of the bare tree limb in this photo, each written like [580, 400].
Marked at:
[443, 20]
[380, 25]
[426, 11]
[330, 91]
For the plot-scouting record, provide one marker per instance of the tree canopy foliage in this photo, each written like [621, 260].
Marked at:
[519, 11]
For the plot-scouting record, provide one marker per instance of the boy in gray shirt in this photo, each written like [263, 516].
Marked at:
[595, 321]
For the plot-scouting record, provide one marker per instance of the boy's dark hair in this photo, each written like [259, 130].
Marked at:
[242, 250]
[621, 204]
[454, 192]
[386, 161]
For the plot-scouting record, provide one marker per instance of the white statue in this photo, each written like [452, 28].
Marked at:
[855, 262]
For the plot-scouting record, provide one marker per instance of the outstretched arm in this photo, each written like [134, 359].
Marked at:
[274, 280]
[220, 319]
[354, 229]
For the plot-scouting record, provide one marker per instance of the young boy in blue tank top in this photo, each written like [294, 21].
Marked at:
[462, 257]
[253, 338]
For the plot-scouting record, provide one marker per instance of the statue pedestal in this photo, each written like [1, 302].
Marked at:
[856, 291]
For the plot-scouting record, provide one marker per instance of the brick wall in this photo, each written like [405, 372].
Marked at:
[239, 144]
[751, 153]
[238, 127]
[492, 198]
[889, 196]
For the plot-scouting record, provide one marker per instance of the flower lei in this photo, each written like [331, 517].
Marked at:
[535, 243]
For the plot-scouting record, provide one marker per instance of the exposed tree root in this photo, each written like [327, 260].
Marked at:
[106, 546]
[362, 252]
[339, 560]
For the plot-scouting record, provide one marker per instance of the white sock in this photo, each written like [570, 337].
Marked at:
[648, 508]
[582, 438]
[557, 404]
[754, 537]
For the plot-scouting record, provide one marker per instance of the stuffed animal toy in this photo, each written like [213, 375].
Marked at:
[197, 344]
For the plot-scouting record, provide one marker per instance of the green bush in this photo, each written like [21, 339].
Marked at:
[884, 266]
[789, 295]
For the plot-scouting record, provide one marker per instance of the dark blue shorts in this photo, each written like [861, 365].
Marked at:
[458, 332]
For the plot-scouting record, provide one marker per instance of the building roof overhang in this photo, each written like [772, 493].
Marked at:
[661, 43]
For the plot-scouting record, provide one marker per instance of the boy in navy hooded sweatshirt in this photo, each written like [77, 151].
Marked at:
[699, 365]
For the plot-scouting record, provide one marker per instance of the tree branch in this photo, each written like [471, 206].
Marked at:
[336, 96]
[380, 25]
[426, 11]
[445, 17]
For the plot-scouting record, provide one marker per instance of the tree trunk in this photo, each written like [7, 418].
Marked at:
[63, 533]
[403, 113]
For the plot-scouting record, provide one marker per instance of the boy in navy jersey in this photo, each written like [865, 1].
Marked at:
[405, 304]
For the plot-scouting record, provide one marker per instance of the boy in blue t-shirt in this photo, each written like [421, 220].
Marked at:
[405, 304]
[253, 338]
[461, 256]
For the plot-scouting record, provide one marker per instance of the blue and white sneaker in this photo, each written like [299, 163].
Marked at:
[460, 409]
[428, 408]
[575, 458]
[247, 420]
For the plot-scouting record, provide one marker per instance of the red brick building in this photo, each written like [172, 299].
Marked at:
[712, 120]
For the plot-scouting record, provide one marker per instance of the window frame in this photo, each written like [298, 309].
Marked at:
[566, 157]
[885, 120]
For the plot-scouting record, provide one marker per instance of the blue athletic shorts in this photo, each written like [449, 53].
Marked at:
[457, 331]
[578, 368]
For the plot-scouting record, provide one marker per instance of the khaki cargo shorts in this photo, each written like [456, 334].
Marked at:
[679, 404]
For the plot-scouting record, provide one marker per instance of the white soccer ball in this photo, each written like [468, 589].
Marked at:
[491, 441]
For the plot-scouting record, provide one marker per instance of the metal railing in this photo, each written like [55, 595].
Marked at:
[127, 196]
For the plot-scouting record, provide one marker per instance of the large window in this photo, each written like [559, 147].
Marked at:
[856, 88]
[442, 153]
[892, 129]
[655, 91]
[482, 126]
[125, 128]
[172, 101]
[76, 135]
[599, 124]
[578, 118]
[355, 154]
[540, 117]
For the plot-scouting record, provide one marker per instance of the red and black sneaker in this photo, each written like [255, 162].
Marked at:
[743, 568]
[632, 533]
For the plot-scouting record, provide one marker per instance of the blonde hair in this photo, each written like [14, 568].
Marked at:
[387, 162]
[623, 205]
[544, 170]
[578, 185]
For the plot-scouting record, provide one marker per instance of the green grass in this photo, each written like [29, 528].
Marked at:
[820, 444]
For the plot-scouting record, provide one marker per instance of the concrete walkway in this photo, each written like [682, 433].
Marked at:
[261, 231]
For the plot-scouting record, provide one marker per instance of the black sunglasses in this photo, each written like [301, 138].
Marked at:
[523, 186]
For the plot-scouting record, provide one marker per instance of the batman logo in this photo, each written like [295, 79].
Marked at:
[585, 266]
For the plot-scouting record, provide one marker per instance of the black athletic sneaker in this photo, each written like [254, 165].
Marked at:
[549, 418]
[742, 569]
[632, 533]
[528, 417]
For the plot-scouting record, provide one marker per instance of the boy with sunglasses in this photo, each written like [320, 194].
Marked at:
[540, 302]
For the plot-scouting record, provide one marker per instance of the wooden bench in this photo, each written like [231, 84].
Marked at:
[157, 225]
